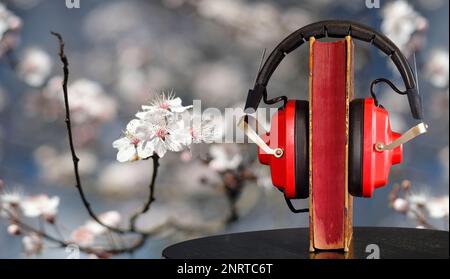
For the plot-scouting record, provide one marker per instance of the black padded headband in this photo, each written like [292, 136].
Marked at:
[336, 29]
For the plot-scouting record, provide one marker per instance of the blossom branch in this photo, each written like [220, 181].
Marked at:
[132, 229]
[168, 136]
[418, 206]
[151, 196]
[75, 158]
[101, 252]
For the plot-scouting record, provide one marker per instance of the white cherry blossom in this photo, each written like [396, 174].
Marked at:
[400, 205]
[401, 23]
[10, 198]
[10, 203]
[32, 244]
[40, 206]
[14, 229]
[167, 102]
[202, 130]
[134, 146]
[155, 117]
[224, 157]
[437, 68]
[10, 24]
[86, 234]
[438, 207]
[83, 236]
[35, 67]
[162, 128]
[164, 125]
[5, 18]
[110, 218]
[171, 137]
[90, 102]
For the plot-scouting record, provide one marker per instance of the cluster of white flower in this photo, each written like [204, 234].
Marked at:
[14, 205]
[38, 206]
[35, 67]
[89, 102]
[419, 206]
[224, 157]
[436, 207]
[32, 243]
[403, 25]
[10, 24]
[267, 22]
[437, 68]
[86, 234]
[161, 127]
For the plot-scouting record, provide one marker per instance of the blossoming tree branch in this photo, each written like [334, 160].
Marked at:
[160, 127]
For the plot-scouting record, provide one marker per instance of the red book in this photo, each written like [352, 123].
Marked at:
[329, 96]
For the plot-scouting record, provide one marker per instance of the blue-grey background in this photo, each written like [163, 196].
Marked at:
[208, 56]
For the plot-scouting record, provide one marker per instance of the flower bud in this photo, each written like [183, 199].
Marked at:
[50, 219]
[400, 205]
[13, 229]
[406, 184]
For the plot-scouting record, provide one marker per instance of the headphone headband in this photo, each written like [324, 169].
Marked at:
[336, 29]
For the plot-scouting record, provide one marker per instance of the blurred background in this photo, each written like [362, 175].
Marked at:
[122, 53]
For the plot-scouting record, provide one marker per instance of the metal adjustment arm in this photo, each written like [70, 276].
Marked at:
[415, 131]
[253, 135]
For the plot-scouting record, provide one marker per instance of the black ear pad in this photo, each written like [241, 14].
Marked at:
[301, 149]
[356, 148]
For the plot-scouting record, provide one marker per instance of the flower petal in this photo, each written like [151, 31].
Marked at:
[160, 147]
[126, 154]
[121, 142]
[145, 150]
[134, 125]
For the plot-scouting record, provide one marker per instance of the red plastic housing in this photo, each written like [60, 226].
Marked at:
[282, 135]
[377, 164]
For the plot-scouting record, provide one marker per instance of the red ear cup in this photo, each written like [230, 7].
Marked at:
[369, 168]
[289, 131]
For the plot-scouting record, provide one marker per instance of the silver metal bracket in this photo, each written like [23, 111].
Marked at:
[415, 131]
[253, 135]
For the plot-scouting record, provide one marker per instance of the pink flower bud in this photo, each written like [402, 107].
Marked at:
[400, 205]
[50, 218]
[186, 156]
[14, 229]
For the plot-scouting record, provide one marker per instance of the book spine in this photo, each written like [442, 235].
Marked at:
[328, 143]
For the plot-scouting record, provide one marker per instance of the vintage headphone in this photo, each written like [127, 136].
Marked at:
[373, 147]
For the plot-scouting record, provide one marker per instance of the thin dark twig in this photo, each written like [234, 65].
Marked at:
[89, 250]
[421, 219]
[151, 195]
[58, 231]
[75, 158]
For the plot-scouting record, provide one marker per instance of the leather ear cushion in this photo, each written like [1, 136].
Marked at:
[355, 150]
[301, 149]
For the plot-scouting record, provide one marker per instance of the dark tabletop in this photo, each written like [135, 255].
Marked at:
[294, 243]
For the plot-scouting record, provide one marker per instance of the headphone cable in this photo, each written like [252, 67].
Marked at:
[293, 209]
